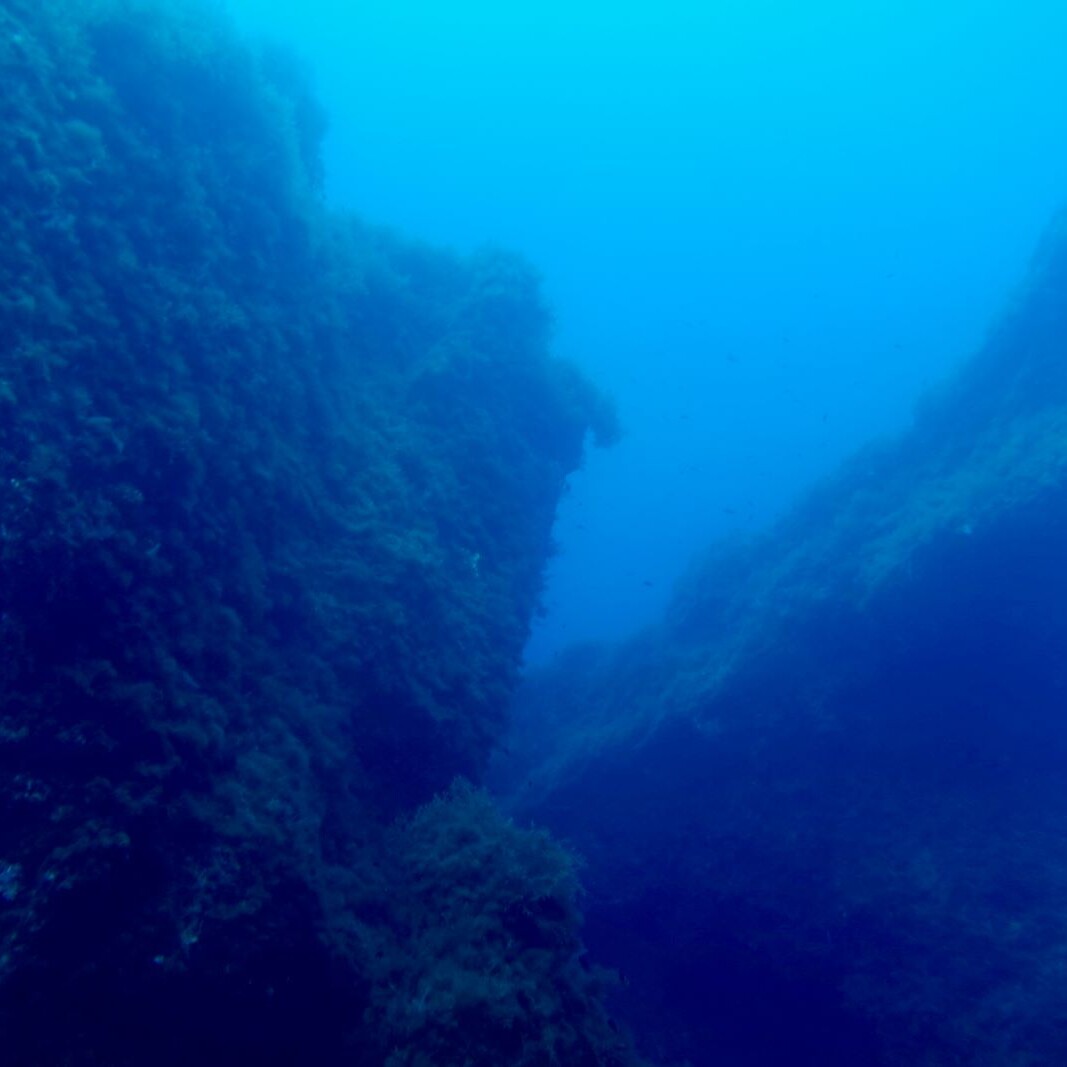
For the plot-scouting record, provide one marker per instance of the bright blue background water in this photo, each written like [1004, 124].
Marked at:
[764, 226]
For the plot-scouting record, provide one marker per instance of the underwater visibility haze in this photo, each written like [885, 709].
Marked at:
[764, 227]
[533, 534]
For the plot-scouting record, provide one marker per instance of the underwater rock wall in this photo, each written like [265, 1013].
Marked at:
[276, 491]
[823, 805]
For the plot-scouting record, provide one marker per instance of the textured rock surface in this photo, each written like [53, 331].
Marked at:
[276, 492]
[824, 805]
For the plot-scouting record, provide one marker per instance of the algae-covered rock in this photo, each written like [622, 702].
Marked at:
[823, 804]
[276, 490]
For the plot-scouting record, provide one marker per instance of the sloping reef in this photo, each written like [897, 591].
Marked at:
[824, 804]
[276, 491]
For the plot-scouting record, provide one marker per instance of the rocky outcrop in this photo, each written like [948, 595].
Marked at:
[276, 491]
[823, 804]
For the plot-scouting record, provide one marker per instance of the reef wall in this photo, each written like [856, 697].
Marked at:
[276, 491]
[823, 805]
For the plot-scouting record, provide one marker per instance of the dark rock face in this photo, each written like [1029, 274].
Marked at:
[275, 497]
[824, 804]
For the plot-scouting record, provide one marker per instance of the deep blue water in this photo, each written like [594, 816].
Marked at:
[820, 808]
[764, 227]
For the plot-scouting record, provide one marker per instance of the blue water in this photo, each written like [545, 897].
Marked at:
[275, 489]
[764, 227]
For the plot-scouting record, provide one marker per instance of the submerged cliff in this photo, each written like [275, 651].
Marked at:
[276, 491]
[823, 804]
